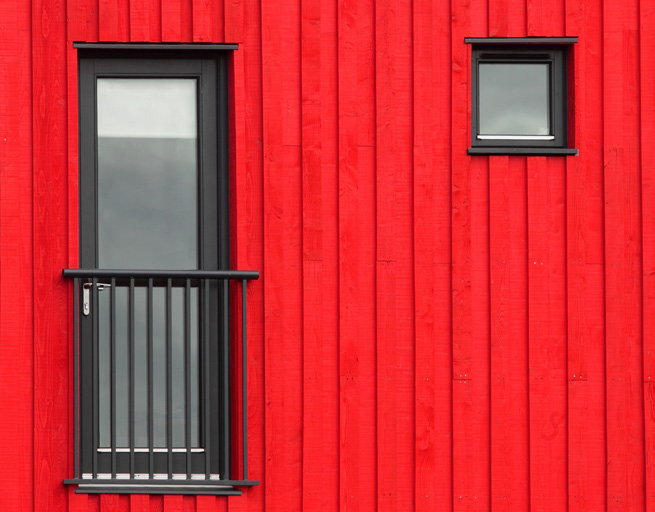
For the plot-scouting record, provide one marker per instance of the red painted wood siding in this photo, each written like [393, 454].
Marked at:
[431, 331]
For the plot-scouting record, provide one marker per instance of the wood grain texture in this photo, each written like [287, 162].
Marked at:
[50, 233]
[16, 263]
[547, 309]
[314, 450]
[356, 257]
[145, 20]
[176, 21]
[647, 101]
[283, 249]
[408, 350]
[387, 269]
[470, 280]
[623, 269]
[510, 471]
[114, 20]
[329, 340]
[431, 223]
[395, 144]
[250, 222]
[587, 466]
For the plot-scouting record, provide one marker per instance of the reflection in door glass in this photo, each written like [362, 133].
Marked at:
[147, 215]
[147, 174]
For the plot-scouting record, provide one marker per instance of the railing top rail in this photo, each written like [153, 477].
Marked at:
[160, 274]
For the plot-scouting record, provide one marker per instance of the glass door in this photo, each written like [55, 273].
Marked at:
[153, 196]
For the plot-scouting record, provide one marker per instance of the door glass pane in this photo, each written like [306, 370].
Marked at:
[147, 173]
[147, 218]
[514, 99]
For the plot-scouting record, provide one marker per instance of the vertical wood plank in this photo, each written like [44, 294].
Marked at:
[176, 21]
[387, 275]
[203, 14]
[274, 310]
[432, 267]
[233, 24]
[545, 19]
[585, 274]
[50, 231]
[145, 20]
[156, 504]
[83, 20]
[329, 256]
[292, 257]
[395, 305]
[510, 472]
[16, 263]
[647, 75]
[209, 20]
[647, 72]
[649, 412]
[357, 390]
[624, 349]
[139, 502]
[470, 280]
[173, 503]
[314, 450]
[114, 20]
[250, 232]
[547, 333]
[112, 502]
[283, 251]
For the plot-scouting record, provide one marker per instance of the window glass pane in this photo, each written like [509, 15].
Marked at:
[147, 173]
[514, 99]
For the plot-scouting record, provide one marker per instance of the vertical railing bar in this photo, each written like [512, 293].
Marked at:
[169, 377]
[187, 376]
[112, 330]
[244, 375]
[96, 348]
[226, 379]
[132, 391]
[151, 426]
[206, 387]
[76, 355]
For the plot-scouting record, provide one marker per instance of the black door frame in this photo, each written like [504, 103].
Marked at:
[210, 70]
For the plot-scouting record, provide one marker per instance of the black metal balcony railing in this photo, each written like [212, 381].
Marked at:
[108, 459]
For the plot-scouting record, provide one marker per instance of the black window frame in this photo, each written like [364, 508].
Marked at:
[552, 51]
[209, 65]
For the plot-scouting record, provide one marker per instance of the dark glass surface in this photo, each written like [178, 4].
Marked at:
[147, 174]
[147, 214]
[513, 99]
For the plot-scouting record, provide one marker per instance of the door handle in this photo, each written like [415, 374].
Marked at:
[86, 296]
[86, 299]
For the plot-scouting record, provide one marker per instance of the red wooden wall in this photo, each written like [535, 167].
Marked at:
[432, 331]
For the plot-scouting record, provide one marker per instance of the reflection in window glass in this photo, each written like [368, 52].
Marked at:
[513, 99]
[147, 173]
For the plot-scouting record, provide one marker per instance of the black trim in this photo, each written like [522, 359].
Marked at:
[157, 481]
[157, 46]
[520, 40]
[487, 51]
[160, 274]
[523, 151]
[161, 489]
[208, 64]
[160, 486]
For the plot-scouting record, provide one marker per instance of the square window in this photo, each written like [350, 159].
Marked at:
[519, 102]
